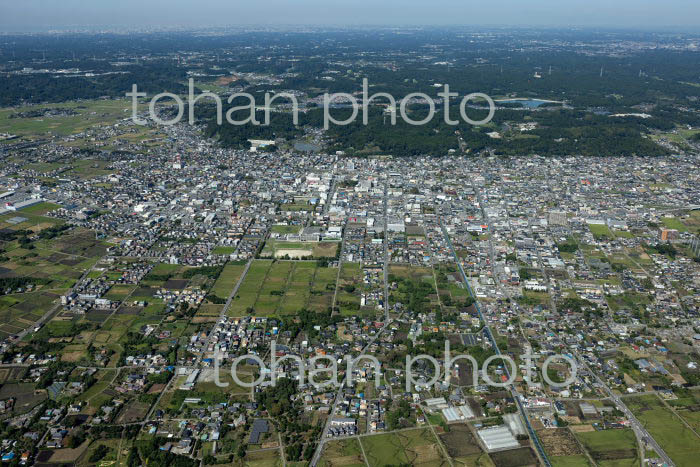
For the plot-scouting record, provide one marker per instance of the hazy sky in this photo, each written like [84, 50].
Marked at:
[33, 15]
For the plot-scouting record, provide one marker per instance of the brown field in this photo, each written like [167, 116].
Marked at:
[72, 356]
[582, 428]
[134, 412]
[326, 249]
[520, 457]
[559, 442]
[204, 319]
[41, 226]
[460, 441]
[66, 455]
[226, 80]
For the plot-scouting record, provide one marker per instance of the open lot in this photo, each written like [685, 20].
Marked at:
[268, 458]
[600, 231]
[295, 250]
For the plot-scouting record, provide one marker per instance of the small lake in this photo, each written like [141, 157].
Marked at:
[529, 103]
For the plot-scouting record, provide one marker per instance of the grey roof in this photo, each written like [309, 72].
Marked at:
[259, 427]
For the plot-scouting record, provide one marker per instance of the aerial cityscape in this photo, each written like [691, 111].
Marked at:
[350, 246]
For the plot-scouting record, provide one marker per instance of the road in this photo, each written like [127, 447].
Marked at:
[635, 424]
[224, 310]
[386, 255]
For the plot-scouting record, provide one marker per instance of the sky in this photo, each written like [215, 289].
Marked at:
[43, 15]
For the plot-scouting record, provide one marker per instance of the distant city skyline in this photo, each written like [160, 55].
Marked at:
[41, 15]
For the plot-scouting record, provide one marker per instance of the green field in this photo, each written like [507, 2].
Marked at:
[276, 288]
[227, 279]
[285, 229]
[600, 231]
[342, 453]
[415, 447]
[224, 250]
[674, 223]
[679, 442]
[687, 406]
[88, 114]
[570, 461]
[269, 458]
[611, 447]
[350, 275]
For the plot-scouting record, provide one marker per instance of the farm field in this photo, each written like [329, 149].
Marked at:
[110, 457]
[674, 223]
[570, 461]
[611, 447]
[463, 447]
[269, 458]
[561, 443]
[415, 447]
[520, 457]
[679, 442]
[51, 264]
[26, 396]
[600, 231]
[227, 279]
[86, 114]
[95, 396]
[350, 276]
[562, 448]
[278, 288]
[344, 452]
[687, 406]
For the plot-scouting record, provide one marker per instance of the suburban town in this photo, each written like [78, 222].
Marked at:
[519, 287]
[147, 276]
